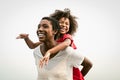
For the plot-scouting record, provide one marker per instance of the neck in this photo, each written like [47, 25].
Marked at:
[49, 44]
[59, 36]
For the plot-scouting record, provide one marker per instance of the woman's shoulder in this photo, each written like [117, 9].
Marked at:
[69, 50]
[36, 50]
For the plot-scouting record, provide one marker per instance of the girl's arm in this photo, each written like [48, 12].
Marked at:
[54, 50]
[30, 44]
[60, 46]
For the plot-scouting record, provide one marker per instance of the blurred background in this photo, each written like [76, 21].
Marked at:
[98, 35]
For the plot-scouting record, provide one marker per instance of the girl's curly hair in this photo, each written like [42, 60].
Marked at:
[58, 14]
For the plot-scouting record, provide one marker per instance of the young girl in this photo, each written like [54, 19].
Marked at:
[68, 26]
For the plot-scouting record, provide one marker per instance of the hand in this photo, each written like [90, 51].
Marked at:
[22, 36]
[45, 59]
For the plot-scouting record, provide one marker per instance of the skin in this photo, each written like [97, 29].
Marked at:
[64, 25]
[28, 41]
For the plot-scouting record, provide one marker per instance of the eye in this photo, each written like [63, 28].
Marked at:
[67, 23]
[61, 22]
[38, 26]
[45, 26]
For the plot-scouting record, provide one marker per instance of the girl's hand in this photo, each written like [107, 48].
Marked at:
[22, 36]
[45, 59]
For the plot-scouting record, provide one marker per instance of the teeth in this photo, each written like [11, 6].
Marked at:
[40, 35]
[62, 29]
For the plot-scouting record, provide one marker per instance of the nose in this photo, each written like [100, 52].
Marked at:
[40, 28]
[62, 25]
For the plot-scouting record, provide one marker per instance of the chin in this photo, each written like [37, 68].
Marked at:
[41, 40]
[62, 33]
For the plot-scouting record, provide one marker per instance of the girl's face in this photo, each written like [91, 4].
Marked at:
[64, 25]
[45, 31]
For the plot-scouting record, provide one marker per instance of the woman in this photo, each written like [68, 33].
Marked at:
[61, 63]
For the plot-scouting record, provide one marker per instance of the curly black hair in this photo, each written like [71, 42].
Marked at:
[58, 14]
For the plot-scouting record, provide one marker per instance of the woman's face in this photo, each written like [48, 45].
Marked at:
[45, 31]
[64, 25]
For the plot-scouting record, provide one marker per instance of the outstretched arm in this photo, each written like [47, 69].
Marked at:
[30, 44]
[87, 65]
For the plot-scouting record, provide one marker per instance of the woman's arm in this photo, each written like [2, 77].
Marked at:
[29, 43]
[76, 59]
[87, 65]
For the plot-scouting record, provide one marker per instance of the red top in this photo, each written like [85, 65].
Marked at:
[67, 36]
[77, 75]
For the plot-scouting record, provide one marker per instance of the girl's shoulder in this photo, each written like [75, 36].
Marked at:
[64, 37]
[67, 36]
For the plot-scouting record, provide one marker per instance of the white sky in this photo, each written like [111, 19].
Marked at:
[98, 35]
